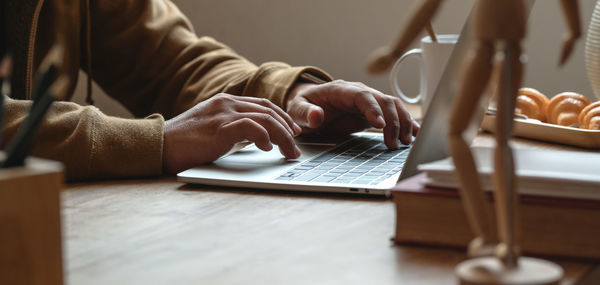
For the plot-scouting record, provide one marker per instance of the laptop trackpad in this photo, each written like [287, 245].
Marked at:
[252, 157]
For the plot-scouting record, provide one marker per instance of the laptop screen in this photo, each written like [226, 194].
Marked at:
[431, 142]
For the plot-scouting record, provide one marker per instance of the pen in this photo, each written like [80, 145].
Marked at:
[5, 71]
[43, 82]
[21, 144]
[1, 112]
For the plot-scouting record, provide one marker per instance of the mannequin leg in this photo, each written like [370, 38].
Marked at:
[476, 75]
[504, 174]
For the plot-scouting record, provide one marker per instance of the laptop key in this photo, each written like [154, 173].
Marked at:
[362, 181]
[308, 176]
[361, 161]
[323, 179]
[284, 178]
[340, 180]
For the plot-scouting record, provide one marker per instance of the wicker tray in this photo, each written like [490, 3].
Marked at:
[534, 129]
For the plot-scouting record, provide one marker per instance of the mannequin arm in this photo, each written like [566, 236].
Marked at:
[571, 11]
[383, 58]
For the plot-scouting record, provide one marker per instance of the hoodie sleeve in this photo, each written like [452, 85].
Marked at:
[146, 55]
[90, 144]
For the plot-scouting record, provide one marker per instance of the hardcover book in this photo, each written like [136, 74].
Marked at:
[550, 226]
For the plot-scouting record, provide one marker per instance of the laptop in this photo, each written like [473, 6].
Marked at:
[359, 163]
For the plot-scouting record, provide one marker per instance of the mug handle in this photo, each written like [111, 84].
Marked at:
[394, 77]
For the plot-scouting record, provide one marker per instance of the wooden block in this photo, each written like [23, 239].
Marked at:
[30, 231]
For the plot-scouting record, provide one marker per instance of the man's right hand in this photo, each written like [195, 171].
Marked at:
[211, 128]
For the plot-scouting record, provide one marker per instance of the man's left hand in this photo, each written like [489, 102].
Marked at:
[341, 107]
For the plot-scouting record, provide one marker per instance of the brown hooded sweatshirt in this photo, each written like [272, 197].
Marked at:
[145, 55]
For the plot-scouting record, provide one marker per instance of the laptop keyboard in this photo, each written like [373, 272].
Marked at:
[363, 161]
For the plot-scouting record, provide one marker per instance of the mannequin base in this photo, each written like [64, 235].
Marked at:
[489, 270]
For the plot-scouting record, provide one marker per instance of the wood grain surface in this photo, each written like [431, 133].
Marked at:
[30, 226]
[160, 231]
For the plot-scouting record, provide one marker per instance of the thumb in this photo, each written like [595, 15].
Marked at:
[306, 114]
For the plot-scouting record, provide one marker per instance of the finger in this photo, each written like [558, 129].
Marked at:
[416, 127]
[248, 107]
[279, 111]
[306, 114]
[277, 134]
[346, 124]
[388, 104]
[369, 107]
[347, 97]
[391, 131]
[246, 129]
[406, 123]
[387, 109]
[339, 95]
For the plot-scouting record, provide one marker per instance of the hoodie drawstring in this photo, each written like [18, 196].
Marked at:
[88, 50]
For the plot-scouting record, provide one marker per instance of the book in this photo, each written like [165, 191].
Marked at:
[550, 226]
[541, 172]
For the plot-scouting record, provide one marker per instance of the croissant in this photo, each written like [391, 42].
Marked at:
[589, 118]
[563, 109]
[532, 103]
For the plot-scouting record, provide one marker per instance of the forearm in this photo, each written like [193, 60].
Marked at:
[91, 144]
[571, 11]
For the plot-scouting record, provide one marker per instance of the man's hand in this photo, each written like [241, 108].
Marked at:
[211, 128]
[342, 107]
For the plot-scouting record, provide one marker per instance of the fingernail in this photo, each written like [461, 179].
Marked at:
[380, 121]
[297, 129]
[297, 151]
[395, 144]
[269, 147]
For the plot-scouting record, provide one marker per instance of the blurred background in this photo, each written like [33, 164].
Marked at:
[338, 35]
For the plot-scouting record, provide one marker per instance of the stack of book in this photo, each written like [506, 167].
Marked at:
[559, 194]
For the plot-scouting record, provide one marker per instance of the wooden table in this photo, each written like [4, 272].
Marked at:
[160, 231]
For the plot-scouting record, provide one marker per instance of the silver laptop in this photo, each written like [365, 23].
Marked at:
[357, 164]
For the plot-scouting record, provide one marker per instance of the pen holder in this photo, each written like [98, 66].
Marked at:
[30, 230]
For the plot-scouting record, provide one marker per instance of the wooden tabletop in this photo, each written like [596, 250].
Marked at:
[160, 231]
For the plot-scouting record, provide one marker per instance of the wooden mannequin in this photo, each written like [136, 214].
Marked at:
[497, 25]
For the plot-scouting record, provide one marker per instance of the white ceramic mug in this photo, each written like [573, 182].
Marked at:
[432, 57]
